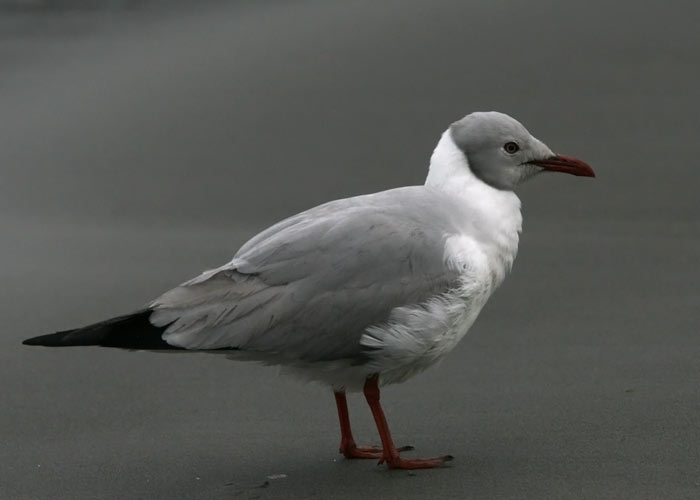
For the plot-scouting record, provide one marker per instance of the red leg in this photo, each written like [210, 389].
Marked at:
[390, 453]
[348, 447]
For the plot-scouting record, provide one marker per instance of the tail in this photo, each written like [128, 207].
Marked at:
[133, 331]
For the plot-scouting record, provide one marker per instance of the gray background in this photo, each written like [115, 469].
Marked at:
[140, 146]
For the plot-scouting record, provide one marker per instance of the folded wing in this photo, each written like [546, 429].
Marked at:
[307, 288]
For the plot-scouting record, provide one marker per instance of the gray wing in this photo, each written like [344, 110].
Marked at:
[309, 286]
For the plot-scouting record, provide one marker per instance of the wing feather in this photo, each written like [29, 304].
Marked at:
[308, 287]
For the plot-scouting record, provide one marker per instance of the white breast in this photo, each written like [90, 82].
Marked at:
[418, 336]
[483, 253]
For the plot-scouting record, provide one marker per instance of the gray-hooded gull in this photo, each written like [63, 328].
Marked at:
[360, 291]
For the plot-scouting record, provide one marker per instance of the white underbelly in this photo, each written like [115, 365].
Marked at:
[418, 336]
[423, 335]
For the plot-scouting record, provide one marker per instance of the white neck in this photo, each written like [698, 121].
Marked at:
[496, 211]
[449, 170]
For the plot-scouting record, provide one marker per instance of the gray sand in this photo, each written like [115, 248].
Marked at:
[139, 148]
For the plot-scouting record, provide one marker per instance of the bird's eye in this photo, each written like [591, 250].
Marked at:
[511, 148]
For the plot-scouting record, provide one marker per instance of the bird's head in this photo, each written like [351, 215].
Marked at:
[502, 153]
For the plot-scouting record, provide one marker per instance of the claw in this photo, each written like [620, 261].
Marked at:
[351, 450]
[417, 463]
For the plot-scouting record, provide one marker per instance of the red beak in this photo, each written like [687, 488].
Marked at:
[566, 164]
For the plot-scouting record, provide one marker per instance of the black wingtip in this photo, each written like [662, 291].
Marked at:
[45, 340]
[133, 331]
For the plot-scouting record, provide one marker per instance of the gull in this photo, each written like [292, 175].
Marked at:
[360, 291]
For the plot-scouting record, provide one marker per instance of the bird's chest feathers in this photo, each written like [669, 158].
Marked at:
[482, 269]
[418, 336]
[483, 260]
